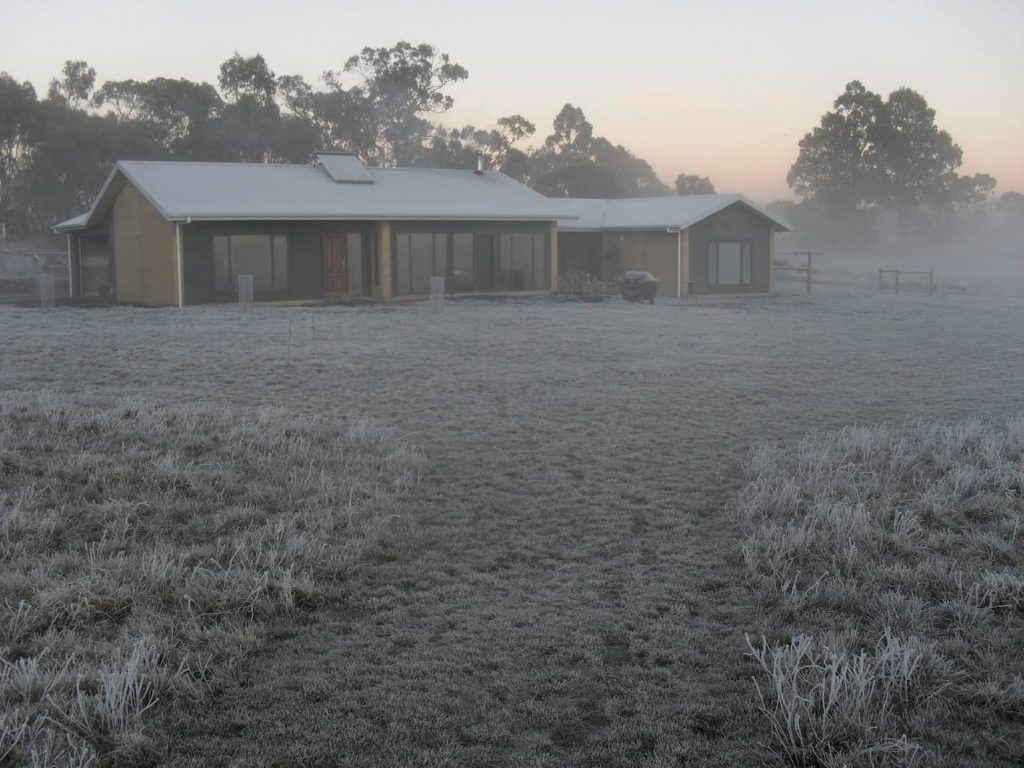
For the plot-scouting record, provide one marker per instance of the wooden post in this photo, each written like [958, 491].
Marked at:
[686, 262]
[809, 271]
[384, 258]
[897, 282]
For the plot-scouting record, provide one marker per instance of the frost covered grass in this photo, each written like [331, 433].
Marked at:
[889, 562]
[144, 548]
[562, 586]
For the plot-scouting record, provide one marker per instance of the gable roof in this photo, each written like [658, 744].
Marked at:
[668, 212]
[183, 191]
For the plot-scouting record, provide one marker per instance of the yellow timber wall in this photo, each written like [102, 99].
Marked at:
[145, 252]
[659, 253]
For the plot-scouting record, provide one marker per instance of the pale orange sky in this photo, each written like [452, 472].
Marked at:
[722, 89]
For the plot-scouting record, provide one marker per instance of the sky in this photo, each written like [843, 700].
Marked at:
[720, 89]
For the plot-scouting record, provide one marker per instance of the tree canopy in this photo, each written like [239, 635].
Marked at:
[872, 153]
[694, 185]
[572, 162]
[384, 104]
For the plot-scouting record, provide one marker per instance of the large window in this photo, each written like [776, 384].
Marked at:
[468, 261]
[462, 262]
[418, 257]
[265, 257]
[728, 263]
[523, 262]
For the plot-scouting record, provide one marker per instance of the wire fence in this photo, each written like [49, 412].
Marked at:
[22, 270]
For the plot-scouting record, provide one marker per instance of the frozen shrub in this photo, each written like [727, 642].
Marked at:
[892, 557]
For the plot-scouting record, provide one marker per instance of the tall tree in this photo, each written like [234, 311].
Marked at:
[251, 127]
[179, 114]
[838, 164]
[19, 118]
[694, 185]
[242, 77]
[397, 87]
[872, 153]
[572, 162]
[75, 85]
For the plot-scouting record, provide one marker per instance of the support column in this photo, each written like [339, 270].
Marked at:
[384, 258]
[180, 263]
[554, 256]
[686, 262]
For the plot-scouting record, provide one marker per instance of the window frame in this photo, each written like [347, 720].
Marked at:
[233, 276]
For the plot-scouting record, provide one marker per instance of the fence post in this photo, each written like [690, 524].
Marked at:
[47, 292]
[437, 293]
[245, 291]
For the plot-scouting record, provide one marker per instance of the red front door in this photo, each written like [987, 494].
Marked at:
[335, 264]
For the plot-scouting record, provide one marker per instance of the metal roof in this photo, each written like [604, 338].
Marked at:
[182, 191]
[668, 212]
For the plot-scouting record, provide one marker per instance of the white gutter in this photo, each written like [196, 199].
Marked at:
[679, 259]
[181, 266]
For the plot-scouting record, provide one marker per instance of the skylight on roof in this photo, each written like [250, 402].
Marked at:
[344, 168]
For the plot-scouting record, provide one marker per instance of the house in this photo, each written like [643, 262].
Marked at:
[177, 233]
[693, 244]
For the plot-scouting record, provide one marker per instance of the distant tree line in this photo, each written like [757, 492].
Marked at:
[872, 154]
[868, 154]
[56, 151]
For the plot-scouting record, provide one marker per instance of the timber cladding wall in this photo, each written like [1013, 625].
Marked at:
[145, 252]
[737, 222]
[654, 252]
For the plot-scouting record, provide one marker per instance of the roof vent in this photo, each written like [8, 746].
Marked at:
[344, 167]
[479, 163]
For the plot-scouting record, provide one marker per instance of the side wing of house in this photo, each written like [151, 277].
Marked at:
[731, 252]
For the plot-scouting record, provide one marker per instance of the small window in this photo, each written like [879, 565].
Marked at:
[265, 257]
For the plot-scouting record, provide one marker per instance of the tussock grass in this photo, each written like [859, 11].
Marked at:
[143, 547]
[888, 562]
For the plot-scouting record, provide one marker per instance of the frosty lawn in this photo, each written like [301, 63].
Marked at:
[564, 586]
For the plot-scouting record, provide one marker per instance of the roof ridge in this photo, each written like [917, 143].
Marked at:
[232, 163]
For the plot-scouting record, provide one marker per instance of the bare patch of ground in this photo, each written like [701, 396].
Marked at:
[564, 587]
